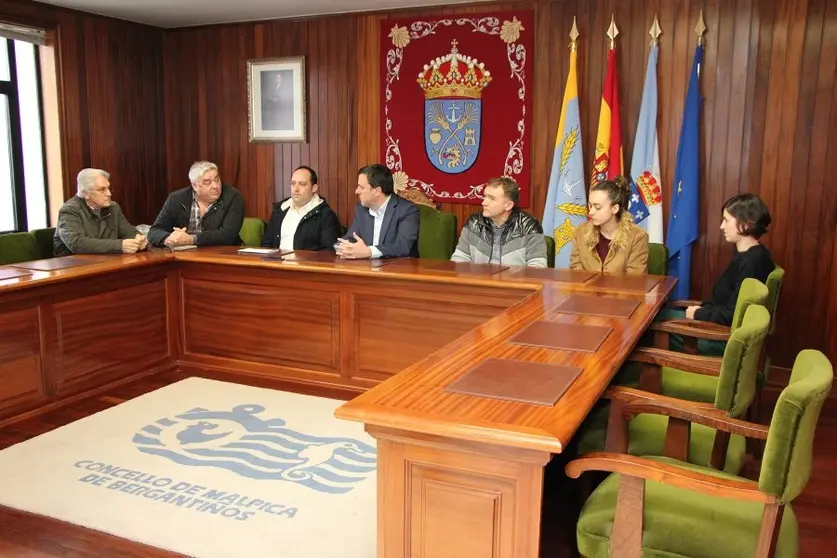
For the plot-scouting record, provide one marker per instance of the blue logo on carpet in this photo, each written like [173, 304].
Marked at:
[243, 443]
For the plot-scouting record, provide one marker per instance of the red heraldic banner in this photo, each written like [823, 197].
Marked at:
[457, 101]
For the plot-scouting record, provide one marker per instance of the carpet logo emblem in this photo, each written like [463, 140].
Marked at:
[241, 442]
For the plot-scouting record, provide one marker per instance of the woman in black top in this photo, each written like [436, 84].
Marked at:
[745, 219]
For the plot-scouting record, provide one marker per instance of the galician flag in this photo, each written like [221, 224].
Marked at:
[646, 204]
[608, 163]
[566, 198]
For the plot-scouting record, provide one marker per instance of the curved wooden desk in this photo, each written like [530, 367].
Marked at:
[459, 475]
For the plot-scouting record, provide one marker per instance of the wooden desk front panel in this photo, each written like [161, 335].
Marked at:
[324, 328]
[394, 332]
[21, 381]
[97, 335]
[60, 339]
[284, 324]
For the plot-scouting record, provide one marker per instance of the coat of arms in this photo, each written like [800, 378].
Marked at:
[451, 122]
[453, 87]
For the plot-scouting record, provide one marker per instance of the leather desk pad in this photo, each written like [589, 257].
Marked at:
[54, 264]
[555, 335]
[516, 380]
[638, 283]
[13, 273]
[549, 274]
[599, 306]
[469, 268]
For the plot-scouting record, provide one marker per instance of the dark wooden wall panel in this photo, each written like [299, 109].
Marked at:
[111, 87]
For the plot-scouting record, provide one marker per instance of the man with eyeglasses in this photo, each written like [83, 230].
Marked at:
[207, 213]
[91, 223]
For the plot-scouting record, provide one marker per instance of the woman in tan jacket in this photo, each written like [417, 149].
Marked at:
[609, 241]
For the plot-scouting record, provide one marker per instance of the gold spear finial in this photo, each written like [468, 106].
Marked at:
[612, 31]
[655, 31]
[574, 37]
[700, 28]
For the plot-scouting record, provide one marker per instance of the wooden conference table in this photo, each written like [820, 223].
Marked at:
[461, 450]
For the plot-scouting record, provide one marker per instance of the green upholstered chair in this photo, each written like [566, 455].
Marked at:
[44, 239]
[437, 233]
[252, 231]
[550, 251]
[657, 259]
[774, 289]
[666, 507]
[18, 247]
[705, 338]
[728, 384]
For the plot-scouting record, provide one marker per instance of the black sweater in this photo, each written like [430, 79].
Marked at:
[318, 230]
[756, 263]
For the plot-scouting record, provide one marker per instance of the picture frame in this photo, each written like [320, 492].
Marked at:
[276, 101]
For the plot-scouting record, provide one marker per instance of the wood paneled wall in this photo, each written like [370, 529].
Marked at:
[769, 105]
[111, 90]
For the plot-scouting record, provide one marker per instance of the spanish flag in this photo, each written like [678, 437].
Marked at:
[607, 162]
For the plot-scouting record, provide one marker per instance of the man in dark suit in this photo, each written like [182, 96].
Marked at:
[207, 213]
[385, 225]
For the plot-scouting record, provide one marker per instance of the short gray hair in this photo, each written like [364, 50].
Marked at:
[86, 178]
[199, 168]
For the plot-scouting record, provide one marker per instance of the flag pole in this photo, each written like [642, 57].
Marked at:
[612, 31]
[655, 31]
[700, 30]
[574, 34]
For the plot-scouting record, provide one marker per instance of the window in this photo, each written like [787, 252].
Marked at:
[23, 188]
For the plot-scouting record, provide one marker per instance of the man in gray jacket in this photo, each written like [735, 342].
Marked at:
[501, 233]
[90, 223]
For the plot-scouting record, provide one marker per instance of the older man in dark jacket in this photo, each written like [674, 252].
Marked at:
[92, 223]
[207, 213]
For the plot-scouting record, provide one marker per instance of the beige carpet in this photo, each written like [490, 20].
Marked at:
[208, 469]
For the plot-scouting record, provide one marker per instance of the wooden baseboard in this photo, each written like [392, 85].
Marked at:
[300, 385]
[63, 401]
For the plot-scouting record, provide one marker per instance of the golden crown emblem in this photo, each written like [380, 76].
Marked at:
[454, 75]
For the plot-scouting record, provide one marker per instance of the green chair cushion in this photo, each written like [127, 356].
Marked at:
[252, 231]
[682, 523]
[788, 452]
[437, 233]
[657, 259]
[647, 437]
[44, 239]
[689, 386]
[774, 288]
[18, 247]
[550, 251]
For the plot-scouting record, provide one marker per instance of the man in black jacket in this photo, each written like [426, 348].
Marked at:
[205, 214]
[303, 221]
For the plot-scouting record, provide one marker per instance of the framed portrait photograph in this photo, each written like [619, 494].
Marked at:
[276, 102]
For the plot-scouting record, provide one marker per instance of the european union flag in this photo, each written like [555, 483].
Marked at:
[683, 218]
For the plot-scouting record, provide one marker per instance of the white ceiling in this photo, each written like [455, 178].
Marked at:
[182, 13]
